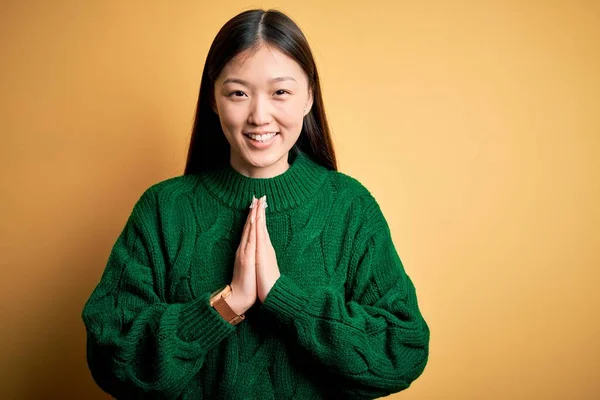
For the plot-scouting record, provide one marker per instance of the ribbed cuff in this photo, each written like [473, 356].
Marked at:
[286, 300]
[199, 322]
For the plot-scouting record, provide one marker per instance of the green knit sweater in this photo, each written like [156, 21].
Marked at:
[342, 321]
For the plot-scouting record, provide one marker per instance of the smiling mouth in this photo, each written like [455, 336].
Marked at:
[261, 138]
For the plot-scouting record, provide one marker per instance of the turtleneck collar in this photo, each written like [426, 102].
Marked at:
[288, 190]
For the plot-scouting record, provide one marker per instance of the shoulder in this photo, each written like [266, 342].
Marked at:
[348, 185]
[166, 192]
[172, 186]
[357, 196]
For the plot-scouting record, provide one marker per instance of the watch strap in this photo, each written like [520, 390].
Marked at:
[219, 303]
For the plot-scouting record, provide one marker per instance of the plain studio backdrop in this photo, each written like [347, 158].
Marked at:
[476, 125]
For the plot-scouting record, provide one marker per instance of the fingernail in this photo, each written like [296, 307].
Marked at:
[253, 203]
[263, 200]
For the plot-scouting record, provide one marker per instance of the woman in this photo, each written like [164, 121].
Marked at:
[204, 297]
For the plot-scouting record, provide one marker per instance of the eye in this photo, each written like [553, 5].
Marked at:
[236, 93]
[281, 92]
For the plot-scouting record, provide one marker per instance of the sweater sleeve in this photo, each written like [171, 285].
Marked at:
[139, 345]
[371, 337]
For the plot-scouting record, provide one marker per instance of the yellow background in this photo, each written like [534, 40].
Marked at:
[476, 124]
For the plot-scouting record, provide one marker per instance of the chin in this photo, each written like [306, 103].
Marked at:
[263, 160]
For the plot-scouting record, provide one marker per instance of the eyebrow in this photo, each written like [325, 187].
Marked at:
[274, 80]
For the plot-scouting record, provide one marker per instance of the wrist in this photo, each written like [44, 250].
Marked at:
[219, 300]
[237, 300]
[236, 304]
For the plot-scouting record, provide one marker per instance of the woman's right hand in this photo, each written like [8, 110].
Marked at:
[243, 284]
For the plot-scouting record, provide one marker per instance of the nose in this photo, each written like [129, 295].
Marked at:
[260, 112]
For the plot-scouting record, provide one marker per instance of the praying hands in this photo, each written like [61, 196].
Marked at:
[255, 270]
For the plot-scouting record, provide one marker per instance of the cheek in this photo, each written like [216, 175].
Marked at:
[231, 117]
[290, 117]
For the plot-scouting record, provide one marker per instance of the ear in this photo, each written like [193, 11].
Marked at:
[213, 101]
[309, 102]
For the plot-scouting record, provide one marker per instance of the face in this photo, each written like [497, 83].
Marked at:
[261, 99]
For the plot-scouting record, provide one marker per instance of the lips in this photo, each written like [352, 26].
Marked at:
[261, 142]
[259, 133]
[261, 136]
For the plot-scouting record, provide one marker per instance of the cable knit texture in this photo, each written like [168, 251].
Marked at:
[342, 321]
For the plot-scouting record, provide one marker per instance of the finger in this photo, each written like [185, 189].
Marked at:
[264, 220]
[247, 226]
[250, 247]
[263, 225]
[266, 230]
[260, 233]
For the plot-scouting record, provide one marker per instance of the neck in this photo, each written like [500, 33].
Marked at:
[257, 172]
[292, 188]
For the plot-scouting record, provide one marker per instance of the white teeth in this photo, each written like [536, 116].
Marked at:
[262, 138]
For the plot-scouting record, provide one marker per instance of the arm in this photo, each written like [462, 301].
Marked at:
[138, 345]
[375, 340]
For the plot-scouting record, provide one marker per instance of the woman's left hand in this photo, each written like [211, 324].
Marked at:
[267, 270]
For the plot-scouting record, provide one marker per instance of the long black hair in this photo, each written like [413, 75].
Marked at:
[209, 149]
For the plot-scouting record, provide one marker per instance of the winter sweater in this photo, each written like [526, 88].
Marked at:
[342, 321]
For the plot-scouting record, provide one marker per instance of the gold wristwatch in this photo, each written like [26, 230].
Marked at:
[217, 301]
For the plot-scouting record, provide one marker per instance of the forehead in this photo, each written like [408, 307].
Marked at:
[261, 65]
